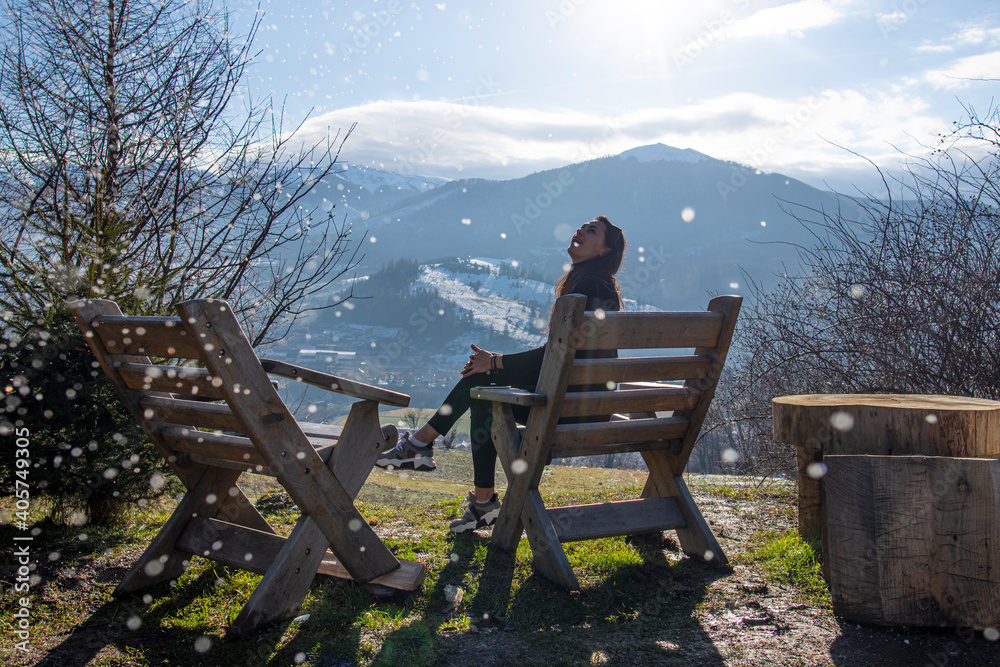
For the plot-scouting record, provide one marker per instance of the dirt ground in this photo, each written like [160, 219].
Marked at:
[738, 619]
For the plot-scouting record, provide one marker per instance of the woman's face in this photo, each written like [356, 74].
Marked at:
[587, 242]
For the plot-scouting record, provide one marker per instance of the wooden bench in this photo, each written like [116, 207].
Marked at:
[206, 402]
[665, 441]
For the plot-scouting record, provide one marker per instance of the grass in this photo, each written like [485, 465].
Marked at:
[784, 556]
[736, 488]
[502, 598]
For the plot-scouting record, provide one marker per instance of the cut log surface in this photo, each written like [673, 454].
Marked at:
[821, 425]
[889, 424]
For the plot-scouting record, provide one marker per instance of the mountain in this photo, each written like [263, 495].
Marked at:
[695, 225]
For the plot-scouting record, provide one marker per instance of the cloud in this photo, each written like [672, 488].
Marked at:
[795, 136]
[790, 19]
[965, 71]
[976, 35]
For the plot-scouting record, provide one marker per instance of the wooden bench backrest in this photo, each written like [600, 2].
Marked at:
[197, 400]
[667, 378]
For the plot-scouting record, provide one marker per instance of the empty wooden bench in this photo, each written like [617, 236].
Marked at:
[222, 417]
[642, 393]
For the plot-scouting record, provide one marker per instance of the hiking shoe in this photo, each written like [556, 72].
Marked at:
[477, 514]
[408, 455]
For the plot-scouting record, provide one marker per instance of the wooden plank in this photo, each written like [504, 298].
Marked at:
[614, 448]
[147, 336]
[586, 403]
[266, 421]
[334, 383]
[696, 538]
[189, 413]
[626, 517]
[568, 436]
[890, 424]
[230, 544]
[360, 445]
[506, 438]
[87, 311]
[549, 558]
[567, 313]
[511, 395]
[227, 451]
[283, 587]
[638, 369]
[195, 382]
[912, 540]
[728, 308]
[163, 559]
[629, 331]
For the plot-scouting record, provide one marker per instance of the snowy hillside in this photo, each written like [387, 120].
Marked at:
[515, 306]
[498, 302]
[376, 180]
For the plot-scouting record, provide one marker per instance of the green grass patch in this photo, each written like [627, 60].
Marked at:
[744, 489]
[787, 558]
[185, 621]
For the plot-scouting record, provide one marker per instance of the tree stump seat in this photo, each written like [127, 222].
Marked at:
[905, 491]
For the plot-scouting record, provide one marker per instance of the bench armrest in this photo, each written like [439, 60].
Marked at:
[511, 395]
[334, 383]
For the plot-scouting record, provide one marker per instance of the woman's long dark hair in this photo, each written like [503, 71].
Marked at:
[603, 266]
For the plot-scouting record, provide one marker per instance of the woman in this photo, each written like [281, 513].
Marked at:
[597, 250]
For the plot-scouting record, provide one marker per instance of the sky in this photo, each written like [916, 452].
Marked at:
[815, 89]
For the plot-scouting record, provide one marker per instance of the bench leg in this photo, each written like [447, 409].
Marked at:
[280, 593]
[162, 561]
[696, 538]
[546, 549]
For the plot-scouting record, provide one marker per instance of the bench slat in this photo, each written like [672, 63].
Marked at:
[195, 382]
[601, 449]
[230, 544]
[209, 416]
[627, 517]
[146, 336]
[511, 395]
[334, 383]
[636, 400]
[602, 433]
[630, 331]
[639, 369]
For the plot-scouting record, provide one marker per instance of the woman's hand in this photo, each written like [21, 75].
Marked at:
[480, 361]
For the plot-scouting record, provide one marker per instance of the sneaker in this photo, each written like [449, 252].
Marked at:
[408, 455]
[477, 514]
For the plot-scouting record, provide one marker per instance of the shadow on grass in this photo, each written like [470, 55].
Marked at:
[644, 609]
[651, 605]
[141, 623]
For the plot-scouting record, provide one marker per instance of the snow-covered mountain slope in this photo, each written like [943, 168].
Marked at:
[500, 303]
[376, 180]
[517, 307]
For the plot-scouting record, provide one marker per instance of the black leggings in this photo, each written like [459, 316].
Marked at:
[484, 454]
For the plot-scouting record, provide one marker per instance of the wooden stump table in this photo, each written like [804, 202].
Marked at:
[906, 493]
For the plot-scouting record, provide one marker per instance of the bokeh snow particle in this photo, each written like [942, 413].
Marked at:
[842, 421]
[816, 470]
